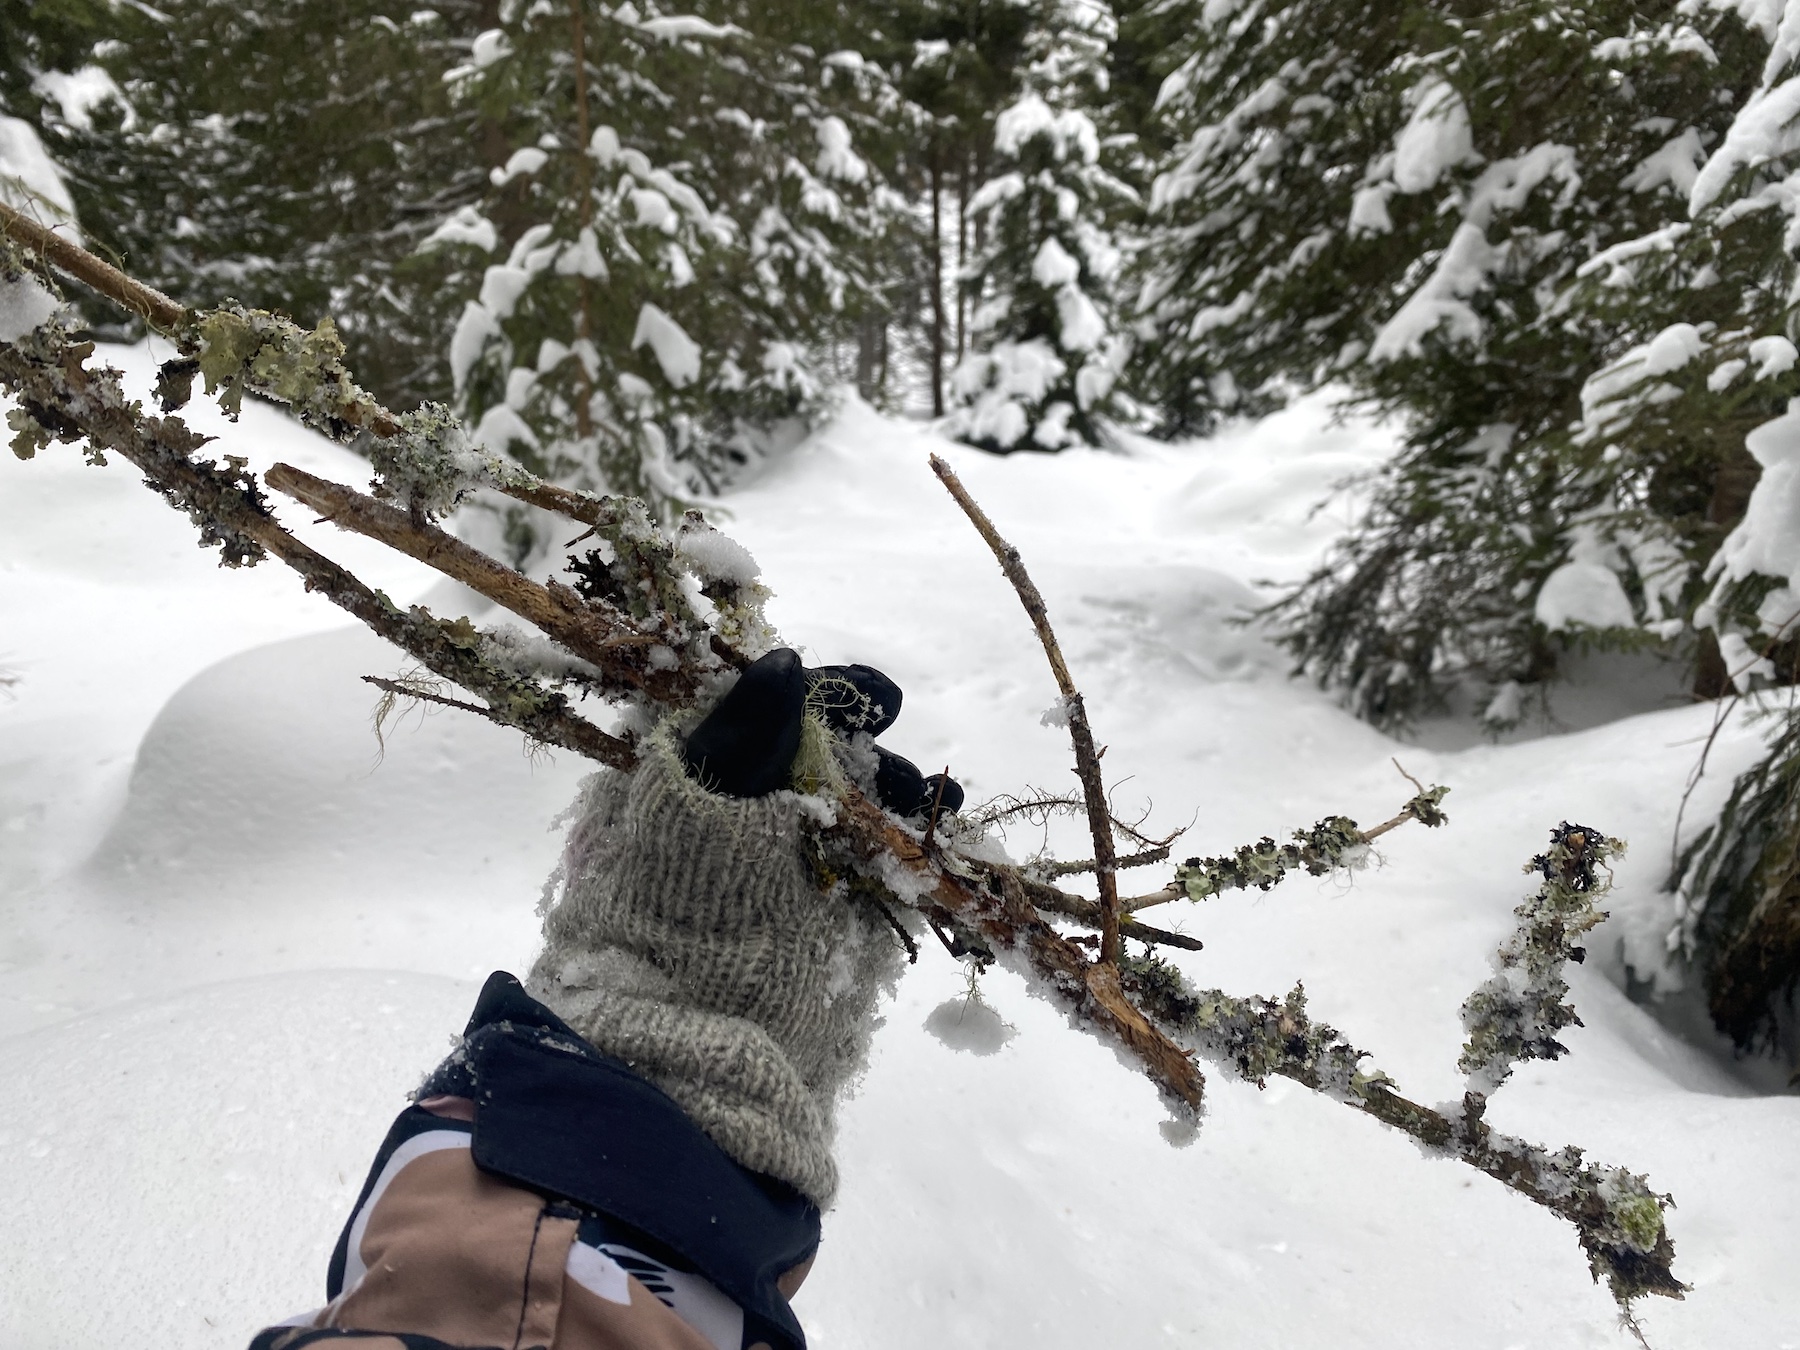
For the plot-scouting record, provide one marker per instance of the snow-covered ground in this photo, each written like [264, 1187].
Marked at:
[221, 907]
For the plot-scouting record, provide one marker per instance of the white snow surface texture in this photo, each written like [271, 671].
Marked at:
[232, 935]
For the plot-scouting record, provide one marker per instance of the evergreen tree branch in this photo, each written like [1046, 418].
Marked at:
[1087, 758]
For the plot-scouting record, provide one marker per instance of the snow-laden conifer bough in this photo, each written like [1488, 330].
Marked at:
[627, 628]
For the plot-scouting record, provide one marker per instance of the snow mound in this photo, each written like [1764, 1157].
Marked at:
[166, 1140]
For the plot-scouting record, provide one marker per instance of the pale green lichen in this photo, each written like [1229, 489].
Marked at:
[1517, 1014]
[1335, 842]
[1618, 1219]
[816, 770]
[1641, 1219]
[1265, 863]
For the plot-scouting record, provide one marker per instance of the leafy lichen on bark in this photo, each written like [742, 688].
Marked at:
[67, 401]
[1333, 843]
[61, 399]
[1517, 1013]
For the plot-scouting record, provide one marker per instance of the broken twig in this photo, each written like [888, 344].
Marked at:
[1087, 758]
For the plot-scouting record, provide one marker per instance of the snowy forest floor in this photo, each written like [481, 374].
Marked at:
[233, 935]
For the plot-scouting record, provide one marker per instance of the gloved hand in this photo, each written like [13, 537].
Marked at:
[746, 746]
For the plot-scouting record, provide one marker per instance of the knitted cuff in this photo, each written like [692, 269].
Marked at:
[691, 942]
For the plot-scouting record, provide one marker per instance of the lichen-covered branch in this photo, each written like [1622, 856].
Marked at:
[70, 258]
[994, 904]
[592, 629]
[1517, 1014]
[1618, 1219]
[1087, 758]
[626, 627]
[1085, 911]
[1148, 858]
[1335, 842]
[61, 399]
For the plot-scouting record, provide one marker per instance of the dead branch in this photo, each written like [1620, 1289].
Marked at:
[1037, 808]
[1087, 912]
[403, 689]
[997, 908]
[937, 806]
[1147, 858]
[1140, 1004]
[76, 262]
[1334, 842]
[594, 631]
[1618, 1219]
[1087, 758]
[1131, 904]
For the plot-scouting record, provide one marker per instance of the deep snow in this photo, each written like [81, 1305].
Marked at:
[232, 936]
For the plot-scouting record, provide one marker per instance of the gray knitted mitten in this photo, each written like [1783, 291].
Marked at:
[691, 942]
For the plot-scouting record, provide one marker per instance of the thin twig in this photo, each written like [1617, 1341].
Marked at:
[937, 804]
[401, 689]
[1037, 809]
[1087, 758]
[1148, 858]
[1230, 871]
[872, 897]
[1722, 710]
[1417, 785]
[1172, 891]
[1085, 911]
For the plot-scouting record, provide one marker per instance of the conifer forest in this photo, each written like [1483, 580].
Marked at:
[1394, 402]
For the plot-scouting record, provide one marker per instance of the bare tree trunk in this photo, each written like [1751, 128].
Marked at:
[962, 251]
[937, 291]
[1733, 482]
[584, 414]
[871, 330]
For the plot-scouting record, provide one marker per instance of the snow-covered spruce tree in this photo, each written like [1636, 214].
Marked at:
[673, 242]
[957, 64]
[289, 155]
[1047, 345]
[46, 46]
[1403, 199]
[1713, 298]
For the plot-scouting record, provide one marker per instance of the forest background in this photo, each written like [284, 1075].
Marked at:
[643, 249]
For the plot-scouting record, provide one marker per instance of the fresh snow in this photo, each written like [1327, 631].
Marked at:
[29, 179]
[676, 352]
[234, 932]
[1435, 139]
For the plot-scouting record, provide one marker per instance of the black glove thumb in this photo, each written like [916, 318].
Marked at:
[746, 745]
